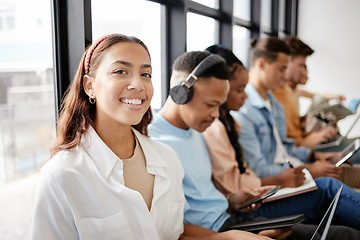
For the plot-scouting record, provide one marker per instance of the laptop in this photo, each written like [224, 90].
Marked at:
[323, 228]
[337, 139]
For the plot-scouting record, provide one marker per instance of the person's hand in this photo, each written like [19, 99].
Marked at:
[325, 155]
[279, 234]
[327, 133]
[321, 136]
[236, 235]
[246, 193]
[323, 168]
[292, 177]
[329, 96]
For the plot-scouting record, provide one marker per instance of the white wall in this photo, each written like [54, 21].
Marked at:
[331, 28]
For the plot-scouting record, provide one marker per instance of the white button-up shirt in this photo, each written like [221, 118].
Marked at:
[81, 195]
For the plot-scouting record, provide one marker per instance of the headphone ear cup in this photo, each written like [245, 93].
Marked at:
[181, 94]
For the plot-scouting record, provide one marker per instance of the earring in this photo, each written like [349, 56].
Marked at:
[92, 100]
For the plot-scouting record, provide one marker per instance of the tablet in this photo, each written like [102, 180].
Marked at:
[264, 224]
[346, 153]
[259, 198]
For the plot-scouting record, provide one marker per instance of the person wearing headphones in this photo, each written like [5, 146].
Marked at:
[199, 85]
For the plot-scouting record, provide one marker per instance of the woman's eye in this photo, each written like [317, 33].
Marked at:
[147, 75]
[121, 72]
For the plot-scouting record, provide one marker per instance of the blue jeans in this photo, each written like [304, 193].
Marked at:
[315, 203]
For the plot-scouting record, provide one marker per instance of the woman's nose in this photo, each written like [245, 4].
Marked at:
[136, 83]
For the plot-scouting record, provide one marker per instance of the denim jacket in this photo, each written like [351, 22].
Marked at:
[257, 138]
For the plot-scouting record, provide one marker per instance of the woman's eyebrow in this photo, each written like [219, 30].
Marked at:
[122, 62]
[130, 64]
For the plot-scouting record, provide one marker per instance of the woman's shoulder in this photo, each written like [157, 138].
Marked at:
[64, 161]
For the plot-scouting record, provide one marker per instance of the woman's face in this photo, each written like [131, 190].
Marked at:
[122, 84]
[237, 95]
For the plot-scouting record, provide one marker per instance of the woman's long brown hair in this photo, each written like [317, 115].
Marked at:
[76, 112]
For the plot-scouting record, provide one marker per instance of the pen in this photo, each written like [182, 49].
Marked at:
[290, 165]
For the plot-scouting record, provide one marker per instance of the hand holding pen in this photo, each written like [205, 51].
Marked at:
[290, 164]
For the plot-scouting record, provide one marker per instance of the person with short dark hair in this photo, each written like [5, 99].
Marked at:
[287, 96]
[263, 139]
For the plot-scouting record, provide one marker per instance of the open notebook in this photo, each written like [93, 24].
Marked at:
[309, 185]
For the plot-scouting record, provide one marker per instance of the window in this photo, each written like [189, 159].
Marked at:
[209, 3]
[266, 15]
[27, 110]
[27, 122]
[242, 9]
[199, 37]
[142, 22]
[241, 43]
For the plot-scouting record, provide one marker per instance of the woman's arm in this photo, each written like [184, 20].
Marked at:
[52, 215]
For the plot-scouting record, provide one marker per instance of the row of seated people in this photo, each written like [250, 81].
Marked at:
[180, 126]
[107, 180]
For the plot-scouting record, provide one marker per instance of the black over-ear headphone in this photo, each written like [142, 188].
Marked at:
[183, 92]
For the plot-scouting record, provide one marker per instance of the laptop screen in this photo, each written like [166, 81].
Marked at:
[323, 228]
[352, 125]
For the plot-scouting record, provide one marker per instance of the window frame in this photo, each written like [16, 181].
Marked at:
[72, 32]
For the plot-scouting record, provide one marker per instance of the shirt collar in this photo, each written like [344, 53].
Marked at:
[105, 159]
[254, 97]
[183, 133]
[151, 153]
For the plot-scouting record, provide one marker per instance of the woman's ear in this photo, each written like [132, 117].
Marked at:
[88, 85]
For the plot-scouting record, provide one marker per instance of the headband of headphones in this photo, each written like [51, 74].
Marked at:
[182, 92]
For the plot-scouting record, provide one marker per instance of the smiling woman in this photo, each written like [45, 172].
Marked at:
[100, 182]
[121, 86]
